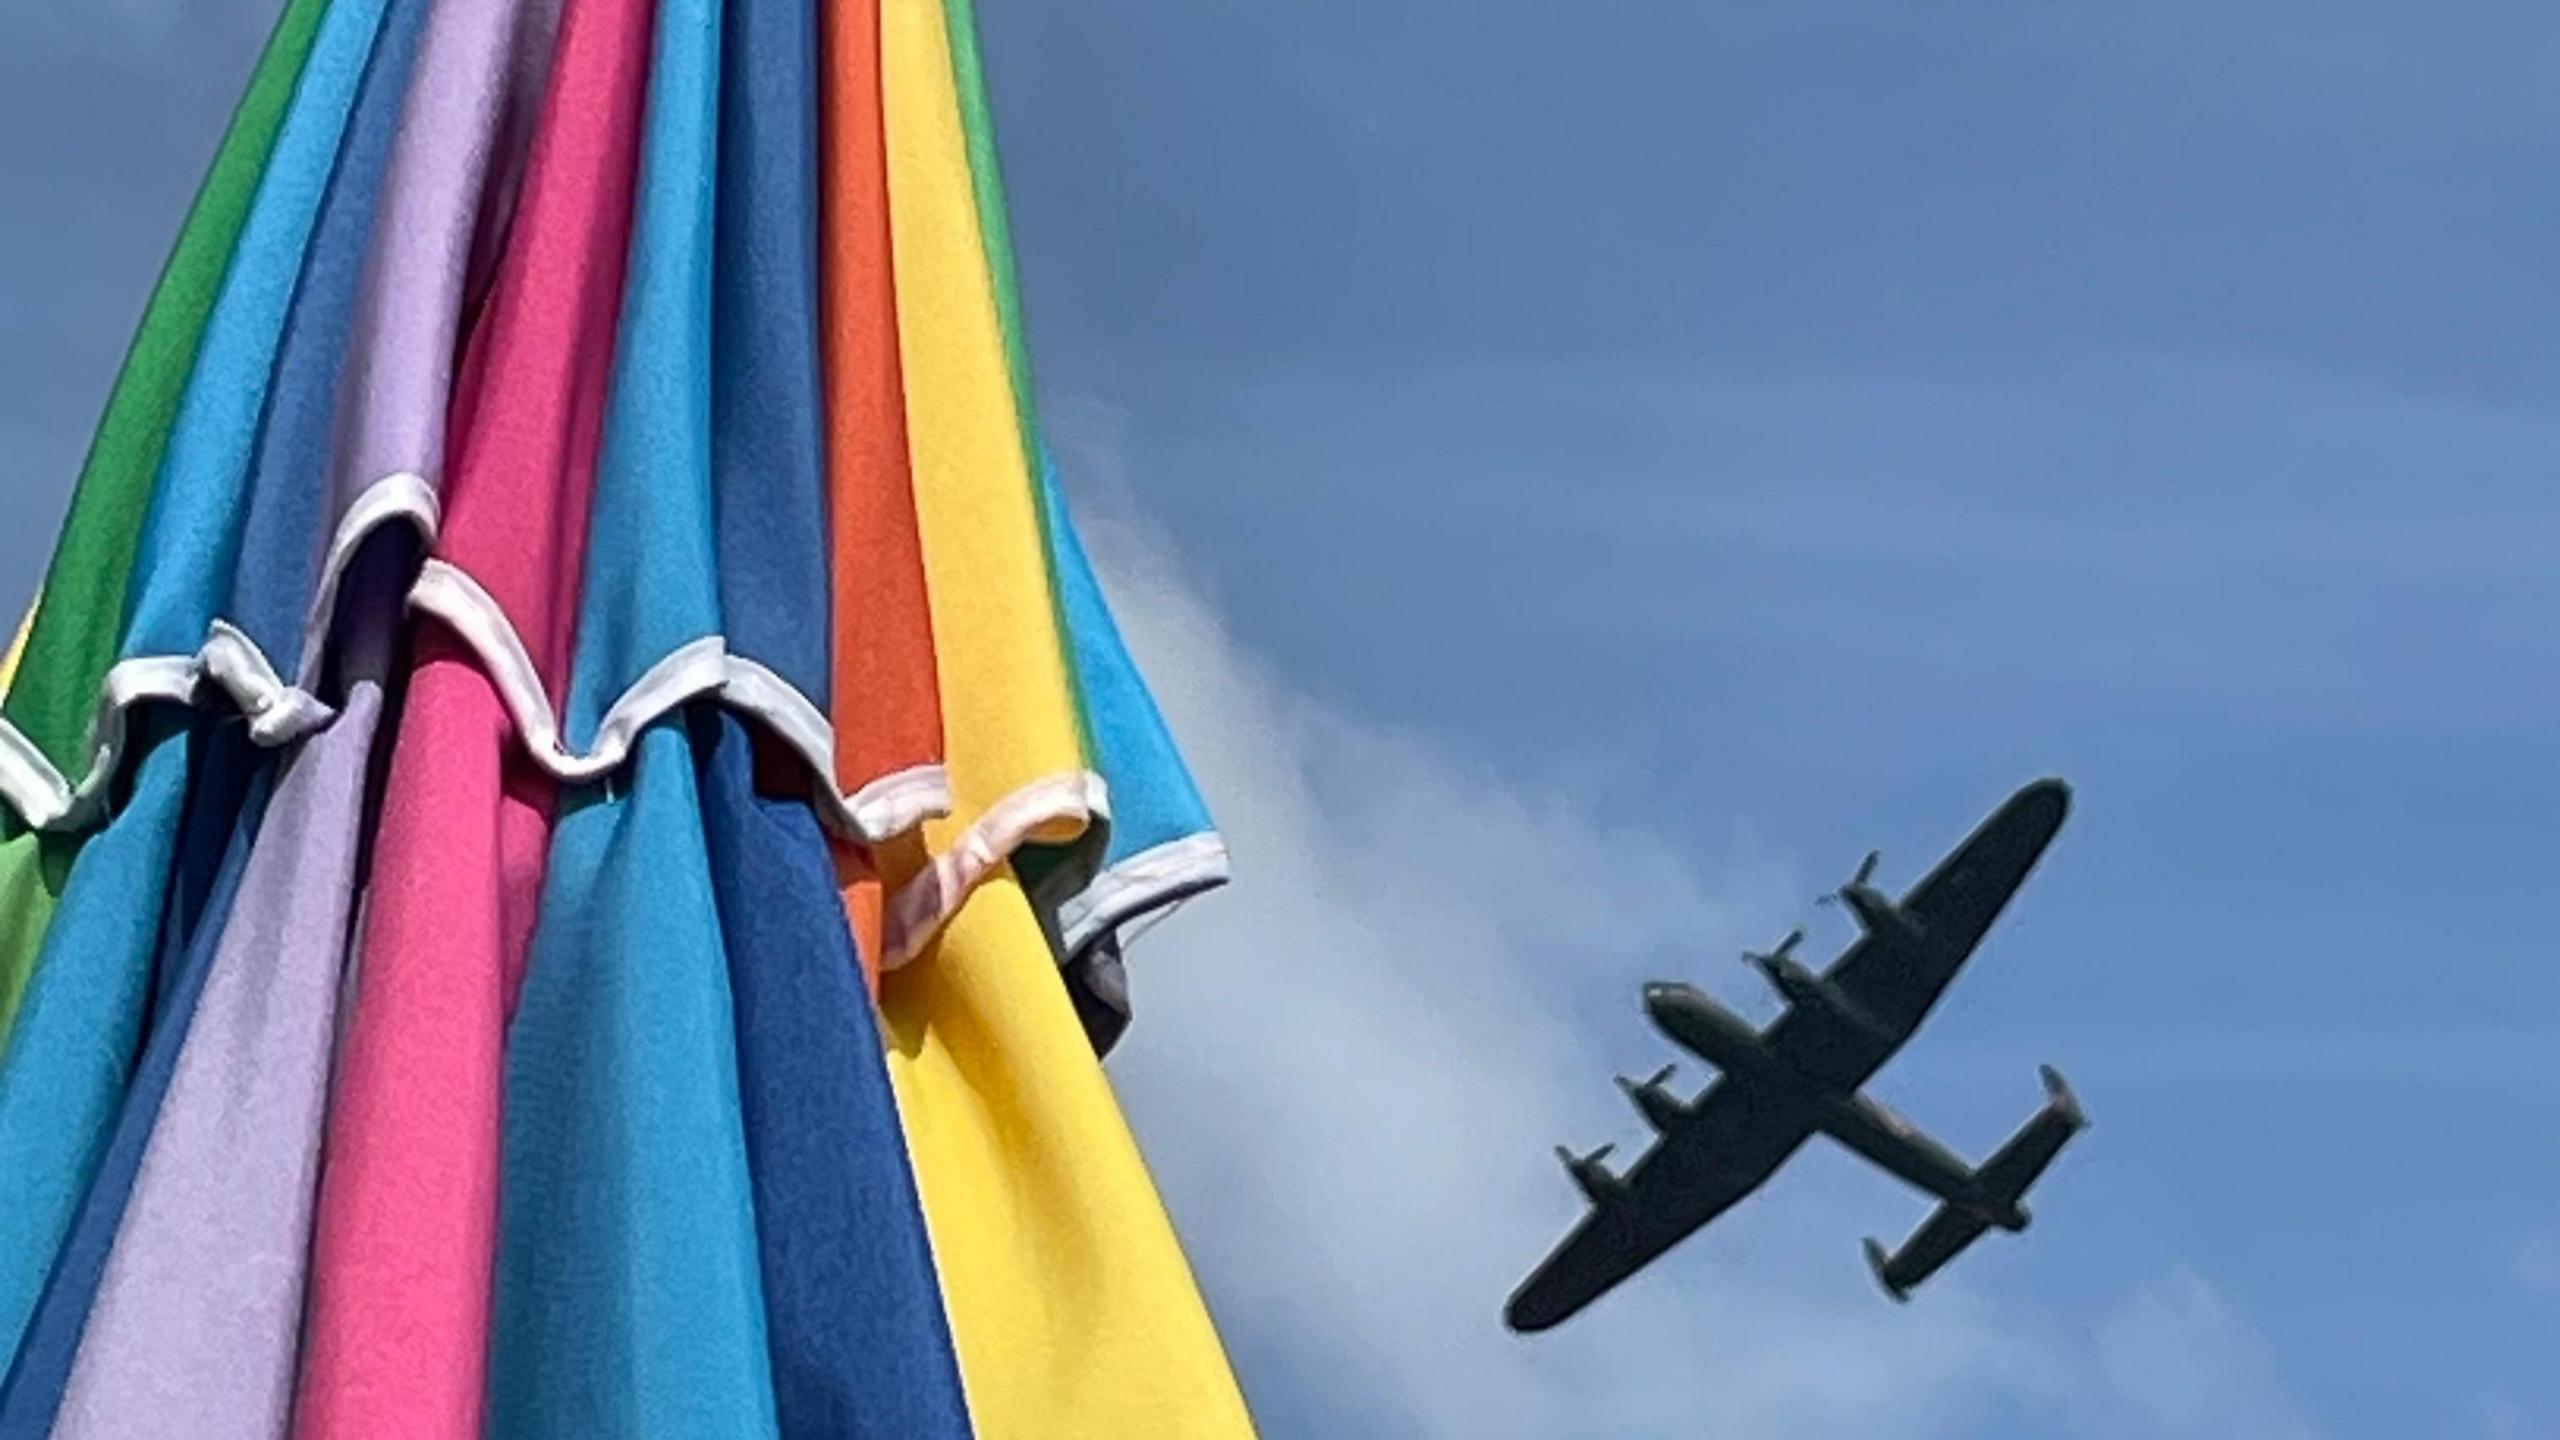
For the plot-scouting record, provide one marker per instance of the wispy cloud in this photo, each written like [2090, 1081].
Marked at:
[2537, 1264]
[1349, 1067]
[2177, 1360]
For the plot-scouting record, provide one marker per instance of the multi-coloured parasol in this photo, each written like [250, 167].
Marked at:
[572, 794]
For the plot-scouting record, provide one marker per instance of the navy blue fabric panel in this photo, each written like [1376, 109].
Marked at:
[227, 800]
[289, 523]
[767, 421]
[861, 1347]
[218, 787]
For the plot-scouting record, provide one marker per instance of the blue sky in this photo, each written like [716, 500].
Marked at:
[1581, 477]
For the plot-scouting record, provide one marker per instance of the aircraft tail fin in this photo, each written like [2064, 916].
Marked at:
[2018, 1164]
[1882, 1265]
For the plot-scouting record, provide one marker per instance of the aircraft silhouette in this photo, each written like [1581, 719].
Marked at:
[1801, 1076]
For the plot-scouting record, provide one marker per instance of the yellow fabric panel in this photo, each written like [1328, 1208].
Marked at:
[1072, 1307]
[28, 884]
[1074, 1311]
[1015, 755]
[33, 869]
[17, 646]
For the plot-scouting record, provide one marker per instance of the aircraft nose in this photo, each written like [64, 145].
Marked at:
[1660, 991]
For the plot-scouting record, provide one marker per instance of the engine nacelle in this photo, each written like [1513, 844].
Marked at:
[1876, 911]
[1706, 1029]
[1808, 991]
[1879, 915]
[1592, 1175]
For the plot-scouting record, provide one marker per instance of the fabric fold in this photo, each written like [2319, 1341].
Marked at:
[64, 1080]
[197, 1319]
[71, 636]
[68, 638]
[1015, 753]
[1161, 846]
[396, 1337]
[278, 519]
[627, 1306]
[854, 1316]
[885, 694]
[1074, 1311]
[705, 667]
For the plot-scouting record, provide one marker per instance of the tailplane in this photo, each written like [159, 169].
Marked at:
[2004, 1178]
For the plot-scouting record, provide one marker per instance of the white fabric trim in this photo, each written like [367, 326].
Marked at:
[921, 907]
[278, 712]
[230, 662]
[401, 495]
[43, 797]
[1154, 877]
[703, 668]
[893, 804]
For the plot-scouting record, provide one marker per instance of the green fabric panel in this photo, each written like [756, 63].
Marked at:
[80, 620]
[80, 615]
[32, 869]
[995, 230]
[977, 121]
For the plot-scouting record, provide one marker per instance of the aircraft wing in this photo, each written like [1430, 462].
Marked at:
[1894, 982]
[1731, 1142]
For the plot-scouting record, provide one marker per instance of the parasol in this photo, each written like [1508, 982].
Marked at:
[575, 789]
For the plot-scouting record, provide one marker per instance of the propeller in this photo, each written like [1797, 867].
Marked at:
[1768, 959]
[1651, 1082]
[1866, 872]
[1576, 1162]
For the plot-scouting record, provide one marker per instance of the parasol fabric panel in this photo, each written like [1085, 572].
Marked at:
[1016, 757]
[859, 1344]
[198, 1315]
[64, 1078]
[17, 646]
[70, 641]
[1075, 1313]
[886, 695]
[1160, 846]
[228, 797]
[79, 1032]
[446, 200]
[277, 539]
[396, 1336]
[46, 734]
[626, 1305]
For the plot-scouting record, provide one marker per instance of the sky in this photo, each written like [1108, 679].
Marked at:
[1581, 476]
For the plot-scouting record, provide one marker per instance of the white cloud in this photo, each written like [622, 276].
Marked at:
[2177, 1361]
[1349, 1066]
[2502, 1418]
[2537, 1264]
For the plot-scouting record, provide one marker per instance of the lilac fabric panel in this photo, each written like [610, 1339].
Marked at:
[195, 1325]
